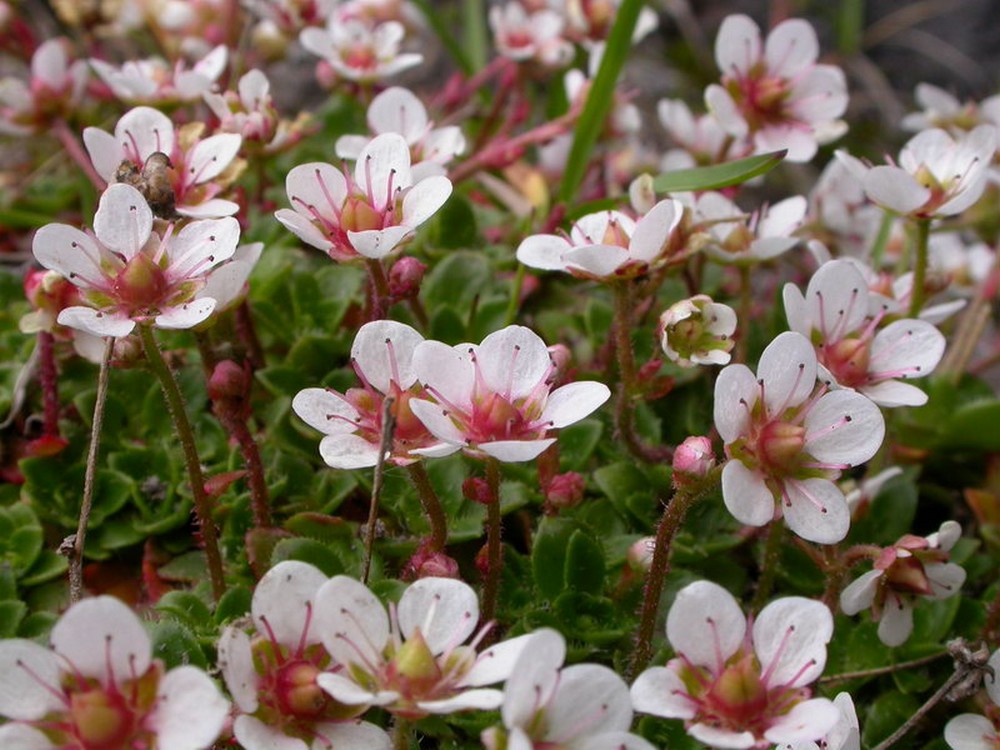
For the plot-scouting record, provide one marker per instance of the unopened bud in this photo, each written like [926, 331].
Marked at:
[405, 277]
[269, 41]
[477, 490]
[560, 356]
[437, 565]
[640, 554]
[693, 459]
[228, 381]
[565, 490]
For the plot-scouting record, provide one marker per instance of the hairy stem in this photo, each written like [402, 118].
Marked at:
[49, 380]
[378, 289]
[182, 425]
[923, 230]
[494, 530]
[385, 446]
[89, 477]
[432, 505]
[768, 565]
[260, 499]
[659, 565]
[879, 671]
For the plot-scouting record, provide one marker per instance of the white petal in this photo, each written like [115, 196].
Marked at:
[123, 220]
[350, 146]
[316, 185]
[352, 622]
[226, 283]
[377, 243]
[435, 418]
[482, 699]
[913, 346]
[596, 261]
[816, 510]
[498, 662]
[844, 427]
[383, 351]
[787, 368]
[992, 684]
[398, 110]
[236, 665]
[210, 157]
[28, 675]
[860, 594]
[661, 692]
[722, 107]
[384, 164]
[588, 692]
[706, 625]
[23, 737]
[102, 638]
[746, 495]
[837, 299]
[946, 579]
[891, 393]
[444, 609]
[654, 229]
[214, 208]
[806, 721]
[534, 676]
[357, 735]
[70, 253]
[737, 45]
[303, 228]
[200, 245]
[105, 152]
[447, 372]
[284, 600]
[790, 636]
[513, 361]
[253, 88]
[970, 732]
[187, 315]
[348, 451]
[722, 738]
[190, 711]
[143, 131]
[543, 251]
[895, 188]
[736, 392]
[424, 199]
[790, 47]
[896, 623]
[349, 692]
[326, 411]
[516, 451]
[96, 322]
[253, 734]
[573, 401]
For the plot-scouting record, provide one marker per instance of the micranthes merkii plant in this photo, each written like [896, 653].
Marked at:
[807, 346]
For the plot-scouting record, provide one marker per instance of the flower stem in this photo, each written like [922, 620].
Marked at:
[89, 477]
[923, 230]
[769, 565]
[970, 328]
[48, 379]
[659, 565]
[515, 295]
[385, 446]
[400, 734]
[260, 500]
[494, 552]
[432, 505]
[248, 334]
[746, 308]
[879, 671]
[202, 504]
[76, 152]
[378, 289]
[882, 238]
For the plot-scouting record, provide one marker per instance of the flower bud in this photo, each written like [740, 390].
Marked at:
[228, 381]
[697, 331]
[561, 357]
[565, 490]
[693, 459]
[640, 554]
[477, 490]
[405, 277]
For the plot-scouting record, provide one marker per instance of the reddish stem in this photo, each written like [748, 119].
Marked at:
[48, 378]
[76, 152]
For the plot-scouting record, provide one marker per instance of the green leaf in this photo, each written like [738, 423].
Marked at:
[548, 555]
[973, 427]
[600, 98]
[234, 604]
[189, 568]
[454, 226]
[11, 614]
[308, 551]
[718, 175]
[46, 567]
[176, 645]
[186, 607]
[457, 279]
[577, 443]
[584, 567]
[887, 713]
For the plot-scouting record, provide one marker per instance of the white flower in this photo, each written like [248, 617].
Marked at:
[773, 91]
[152, 81]
[582, 707]
[194, 172]
[100, 687]
[382, 356]
[524, 36]
[54, 90]
[698, 141]
[606, 245]
[398, 110]
[853, 352]
[845, 735]
[737, 239]
[412, 664]
[786, 442]
[273, 676]
[912, 567]
[737, 685]
[938, 175]
[250, 112]
[943, 110]
[496, 399]
[358, 52]
[127, 273]
[697, 331]
[370, 216]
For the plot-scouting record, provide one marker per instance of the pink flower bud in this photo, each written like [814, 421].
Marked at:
[640, 554]
[405, 277]
[693, 459]
[565, 490]
[228, 381]
[561, 357]
[435, 565]
[477, 490]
